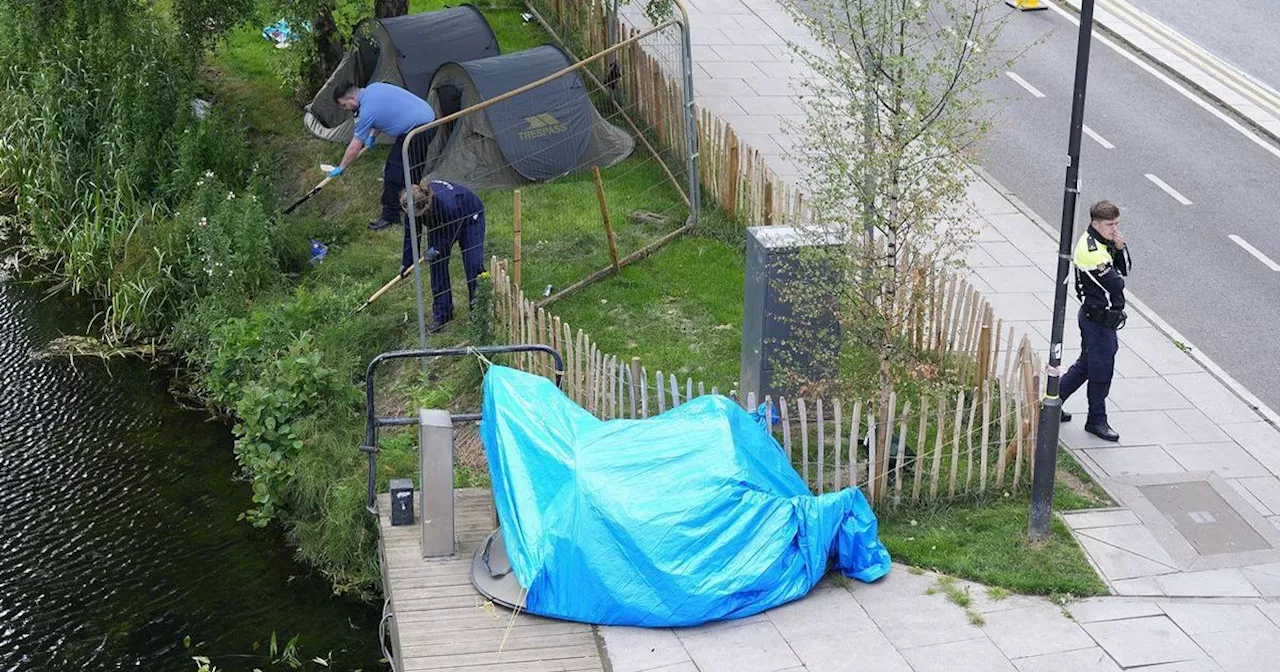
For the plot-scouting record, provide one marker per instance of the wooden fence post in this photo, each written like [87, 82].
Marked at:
[604, 215]
[731, 193]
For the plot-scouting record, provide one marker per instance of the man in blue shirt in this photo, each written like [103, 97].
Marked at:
[451, 214]
[393, 111]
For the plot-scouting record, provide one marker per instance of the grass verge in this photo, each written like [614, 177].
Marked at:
[987, 543]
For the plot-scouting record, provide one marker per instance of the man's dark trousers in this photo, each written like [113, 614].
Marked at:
[1098, 346]
[393, 172]
[466, 228]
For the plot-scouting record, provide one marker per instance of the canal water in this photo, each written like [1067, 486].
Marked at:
[118, 530]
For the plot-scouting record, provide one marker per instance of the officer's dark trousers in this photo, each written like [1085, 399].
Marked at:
[468, 233]
[1098, 346]
[393, 172]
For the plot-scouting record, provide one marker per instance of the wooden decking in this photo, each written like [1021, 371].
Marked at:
[442, 623]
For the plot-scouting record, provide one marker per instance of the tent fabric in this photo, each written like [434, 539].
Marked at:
[405, 51]
[688, 517]
[544, 133]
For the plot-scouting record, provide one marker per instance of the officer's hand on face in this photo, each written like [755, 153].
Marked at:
[1118, 239]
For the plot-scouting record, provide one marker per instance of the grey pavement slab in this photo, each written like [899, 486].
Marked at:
[1143, 586]
[1134, 460]
[1096, 609]
[636, 649]
[1265, 579]
[1035, 631]
[1243, 650]
[1136, 428]
[1092, 659]
[868, 650]
[1229, 582]
[1117, 564]
[1087, 519]
[1271, 610]
[1016, 279]
[1200, 427]
[1238, 485]
[1148, 394]
[1144, 641]
[1210, 396]
[828, 611]
[1135, 539]
[966, 656]
[754, 647]
[1158, 351]
[924, 620]
[1202, 618]
[1002, 251]
[1266, 490]
[1260, 439]
[1227, 459]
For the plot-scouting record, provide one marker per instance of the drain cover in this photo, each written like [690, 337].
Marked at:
[1204, 518]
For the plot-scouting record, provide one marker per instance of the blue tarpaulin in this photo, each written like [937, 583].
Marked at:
[688, 517]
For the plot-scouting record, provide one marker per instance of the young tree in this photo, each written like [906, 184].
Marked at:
[889, 120]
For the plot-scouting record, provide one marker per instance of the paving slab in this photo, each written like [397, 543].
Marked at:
[1226, 459]
[755, 647]
[1097, 609]
[1035, 631]
[868, 650]
[827, 611]
[1134, 461]
[636, 649]
[1135, 539]
[1087, 519]
[1148, 394]
[1144, 641]
[966, 656]
[1229, 582]
[1209, 395]
[1260, 439]
[1200, 427]
[1266, 490]
[1092, 659]
[1202, 618]
[1155, 348]
[925, 620]
[1144, 586]
[1136, 428]
[1265, 579]
[1118, 564]
[1243, 650]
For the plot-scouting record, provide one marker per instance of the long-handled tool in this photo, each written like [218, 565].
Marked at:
[430, 256]
[323, 183]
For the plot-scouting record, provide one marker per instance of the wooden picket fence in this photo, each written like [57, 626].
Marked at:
[980, 438]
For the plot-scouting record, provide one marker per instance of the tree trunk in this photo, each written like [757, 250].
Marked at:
[388, 8]
[328, 50]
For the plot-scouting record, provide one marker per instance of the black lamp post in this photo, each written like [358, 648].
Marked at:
[1051, 409]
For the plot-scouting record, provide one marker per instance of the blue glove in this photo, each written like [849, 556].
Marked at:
[337, 170]
[370, 141]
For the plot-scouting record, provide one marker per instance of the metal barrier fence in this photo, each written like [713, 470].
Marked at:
[571, 129]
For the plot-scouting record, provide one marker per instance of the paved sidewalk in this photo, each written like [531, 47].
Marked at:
[1195, 542]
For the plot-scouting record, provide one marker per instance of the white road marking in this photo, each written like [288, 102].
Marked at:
[1024, 84]
[1098, 138]
[1172, 84]
[1168, 189]
[1255, 252]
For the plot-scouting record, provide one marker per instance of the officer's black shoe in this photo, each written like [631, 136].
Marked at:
[380, 224]
[437, 325]
[1066, 417]
[1103, 431]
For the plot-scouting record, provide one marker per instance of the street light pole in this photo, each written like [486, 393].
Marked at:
[1051, 407]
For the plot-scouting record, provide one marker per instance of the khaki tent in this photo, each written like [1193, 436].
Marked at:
[405, 51]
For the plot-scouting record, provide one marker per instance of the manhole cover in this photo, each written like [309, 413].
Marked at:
[1204, 518]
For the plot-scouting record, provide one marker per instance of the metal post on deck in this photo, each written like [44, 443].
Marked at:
[435, 432]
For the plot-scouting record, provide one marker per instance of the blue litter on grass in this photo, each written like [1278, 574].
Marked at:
[318, 252]
[692, 516]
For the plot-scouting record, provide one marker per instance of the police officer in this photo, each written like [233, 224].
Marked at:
[451, 214]
[1102, 262]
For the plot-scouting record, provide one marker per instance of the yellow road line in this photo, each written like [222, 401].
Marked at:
[1228, 75]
